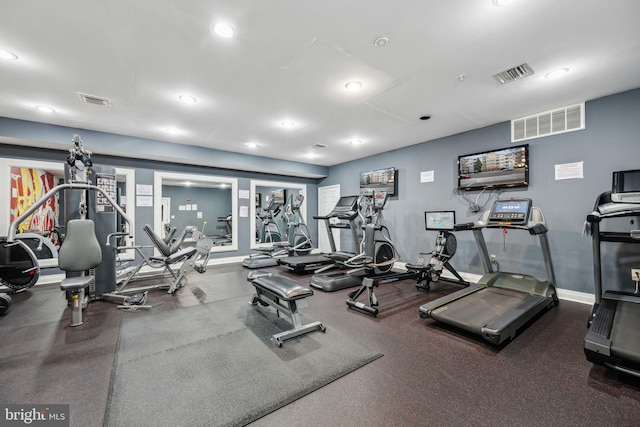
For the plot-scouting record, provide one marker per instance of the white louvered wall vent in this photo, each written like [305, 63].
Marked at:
[94, 99]
[553, 122]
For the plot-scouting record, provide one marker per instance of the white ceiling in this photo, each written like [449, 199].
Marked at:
[291, 59]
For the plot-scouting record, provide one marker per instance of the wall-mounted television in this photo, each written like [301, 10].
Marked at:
[503, 168]
[379, 180]
[279, 196]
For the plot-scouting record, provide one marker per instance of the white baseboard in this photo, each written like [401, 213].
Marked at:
[563, 294]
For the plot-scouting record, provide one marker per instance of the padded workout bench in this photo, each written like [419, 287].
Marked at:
[274, 290]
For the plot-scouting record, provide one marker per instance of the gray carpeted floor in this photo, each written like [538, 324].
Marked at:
[214, 364]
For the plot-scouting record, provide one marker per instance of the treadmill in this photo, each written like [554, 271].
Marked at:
[342, 216]
[613, 338]
[500, 303]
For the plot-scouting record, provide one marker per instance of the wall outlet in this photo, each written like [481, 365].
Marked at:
[635, 274]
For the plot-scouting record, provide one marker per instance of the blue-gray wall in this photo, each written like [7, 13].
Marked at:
[213, 203]
[610, 142]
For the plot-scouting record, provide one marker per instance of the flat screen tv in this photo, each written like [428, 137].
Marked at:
[503, 168]
[379, 180]
[279, 196]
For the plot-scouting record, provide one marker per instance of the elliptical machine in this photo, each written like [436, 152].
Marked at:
[375, 248]
[298, 241]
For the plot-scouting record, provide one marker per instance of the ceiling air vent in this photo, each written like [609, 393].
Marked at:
[553, 122]
[318, 146]
[93, 99]
[515, 73]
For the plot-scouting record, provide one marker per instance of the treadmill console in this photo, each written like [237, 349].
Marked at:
[346, 204]
[510, 212]
[626, 187]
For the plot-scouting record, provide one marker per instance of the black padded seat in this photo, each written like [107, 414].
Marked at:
[276, 291]
[76, 283]
[417, 267]
[177, 256]
[80, 252]
[285, 289]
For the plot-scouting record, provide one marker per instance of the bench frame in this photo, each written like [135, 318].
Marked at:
[266, 297]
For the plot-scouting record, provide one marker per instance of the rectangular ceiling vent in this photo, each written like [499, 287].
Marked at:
[515, 73]
[95, 100]
[319, 146]
[553, 122]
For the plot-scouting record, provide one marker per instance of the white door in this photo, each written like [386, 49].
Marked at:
[327, 198]
[165, 213]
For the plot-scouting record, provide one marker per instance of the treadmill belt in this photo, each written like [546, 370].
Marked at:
[477, 310]
[625, 333]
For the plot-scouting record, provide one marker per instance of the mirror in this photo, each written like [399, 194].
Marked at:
[267, 214]
[22, 182]
[208, 203]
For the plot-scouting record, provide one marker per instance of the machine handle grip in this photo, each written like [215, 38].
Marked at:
[120, 233]
[465, 226]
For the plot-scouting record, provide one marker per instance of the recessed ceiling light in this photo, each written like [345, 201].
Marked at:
[381, 42]
[188, 99]
[172, 131]
[310, 155]
[355, 141]
[556, 73]
[5, 54]
[224, 30]
[45, 109]
[287, 124]
[251, 145]
[353, 85]
[500, 3]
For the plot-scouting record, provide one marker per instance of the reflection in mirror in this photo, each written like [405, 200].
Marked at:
[23, 182]
[267, 215]
[185, 201]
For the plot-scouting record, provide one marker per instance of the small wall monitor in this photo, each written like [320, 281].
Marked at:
[440, 220]
[504, 168]
[379, 180]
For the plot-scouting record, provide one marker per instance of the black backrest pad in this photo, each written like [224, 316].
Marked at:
[80, 250]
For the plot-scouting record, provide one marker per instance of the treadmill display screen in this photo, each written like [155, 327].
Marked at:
[346, 203]
[514, 211]
[439, 220]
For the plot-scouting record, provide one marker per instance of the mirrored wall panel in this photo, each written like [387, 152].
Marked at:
[268, 212]
[204, 205]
